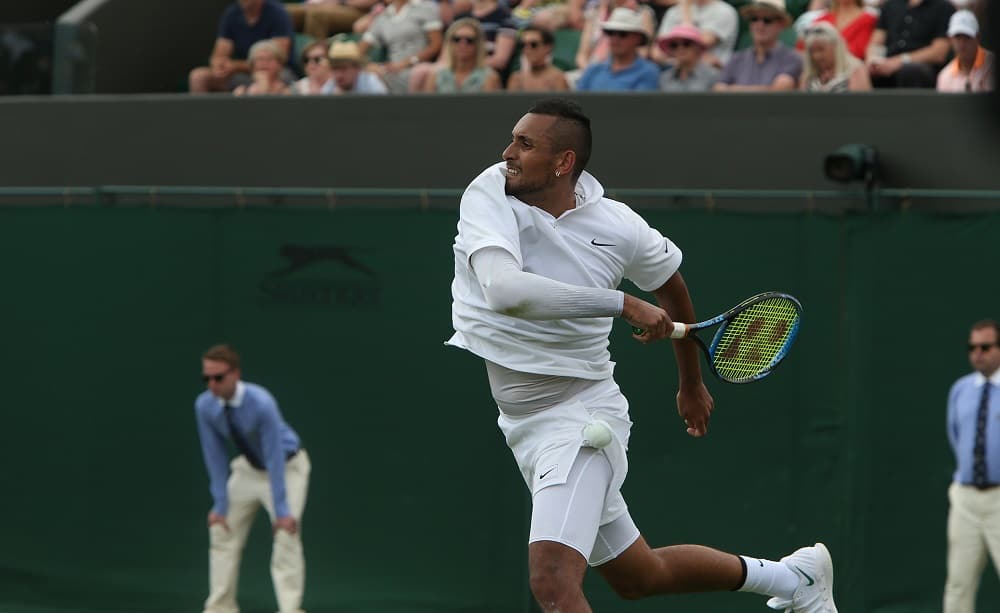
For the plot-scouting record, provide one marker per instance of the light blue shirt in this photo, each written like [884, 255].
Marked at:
[642, 75]
[963, 410]
[256, 416]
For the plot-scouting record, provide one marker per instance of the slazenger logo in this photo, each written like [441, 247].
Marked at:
[324, 276]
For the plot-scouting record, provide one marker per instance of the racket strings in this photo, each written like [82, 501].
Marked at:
[755, 339]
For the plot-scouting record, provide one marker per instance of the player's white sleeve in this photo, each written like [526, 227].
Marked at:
[514, 292]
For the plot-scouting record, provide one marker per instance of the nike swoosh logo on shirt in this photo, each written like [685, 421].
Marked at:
[597, 244]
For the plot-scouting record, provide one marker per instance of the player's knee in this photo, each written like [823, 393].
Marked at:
[550, 588]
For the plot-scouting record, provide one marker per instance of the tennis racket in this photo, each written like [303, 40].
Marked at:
[753, 338]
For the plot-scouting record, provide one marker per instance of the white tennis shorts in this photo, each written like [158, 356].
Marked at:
[576, 497]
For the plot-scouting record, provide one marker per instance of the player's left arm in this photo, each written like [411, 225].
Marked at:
[694, 403]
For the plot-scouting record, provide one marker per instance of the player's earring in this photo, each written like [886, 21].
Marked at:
[557, 173]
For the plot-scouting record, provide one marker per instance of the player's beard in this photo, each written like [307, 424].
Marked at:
[524, 189]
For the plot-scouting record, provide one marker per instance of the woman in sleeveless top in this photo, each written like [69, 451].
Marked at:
[828, 66]
[465, 69]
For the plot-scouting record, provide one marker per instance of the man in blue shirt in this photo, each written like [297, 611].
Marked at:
[974, 434]
[271, 469]
[242, 24]
[624, 70]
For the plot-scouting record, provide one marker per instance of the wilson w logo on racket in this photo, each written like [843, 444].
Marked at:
[753, 338]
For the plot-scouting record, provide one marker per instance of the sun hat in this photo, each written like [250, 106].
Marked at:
[681, 32]
[771, 6]
[345, 51]
[624, 19]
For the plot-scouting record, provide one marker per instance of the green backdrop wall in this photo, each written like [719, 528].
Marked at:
[415, 504]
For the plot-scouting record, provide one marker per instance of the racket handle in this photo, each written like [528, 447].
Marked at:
[680, 330]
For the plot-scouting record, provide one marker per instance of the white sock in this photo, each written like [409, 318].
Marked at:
[769, 578]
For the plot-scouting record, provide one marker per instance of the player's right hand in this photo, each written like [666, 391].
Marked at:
[215, 518]
[648, 317]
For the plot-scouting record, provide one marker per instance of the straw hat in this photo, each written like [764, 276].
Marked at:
[345, 51]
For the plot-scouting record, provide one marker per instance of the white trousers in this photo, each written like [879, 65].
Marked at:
[248, 489]
[973, 529]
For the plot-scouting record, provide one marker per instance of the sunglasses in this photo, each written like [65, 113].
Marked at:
[984, 347]
[764, 20]
[315, 59]
[469, 40]
[217, 378]
[616, 33]
[677, 44]
[532, 44]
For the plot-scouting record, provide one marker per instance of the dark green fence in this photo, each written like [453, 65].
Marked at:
[415, 504]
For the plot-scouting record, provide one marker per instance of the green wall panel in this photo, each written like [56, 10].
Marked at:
[415, 504]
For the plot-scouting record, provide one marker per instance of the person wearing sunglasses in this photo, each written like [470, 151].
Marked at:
[537, 74]
[974, 494]
[499, 31]
[624, 70]
[271, 469]
[685, 46]
[464, 70]
[829, 66]
[595, 45]
[319, 78]
[768, 65]
[718, 22]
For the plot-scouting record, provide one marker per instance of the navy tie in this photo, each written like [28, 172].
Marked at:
[240, 442]
[979, 450]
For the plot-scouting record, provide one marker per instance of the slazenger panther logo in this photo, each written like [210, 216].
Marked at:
[323, 276]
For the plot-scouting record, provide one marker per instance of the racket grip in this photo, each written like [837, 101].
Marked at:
[680, 330]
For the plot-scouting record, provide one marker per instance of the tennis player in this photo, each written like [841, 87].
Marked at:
[538, 257]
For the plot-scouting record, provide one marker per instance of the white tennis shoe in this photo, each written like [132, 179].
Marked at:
[814, 567]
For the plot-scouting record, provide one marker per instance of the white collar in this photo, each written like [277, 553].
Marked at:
[994, 378]
[237, 398]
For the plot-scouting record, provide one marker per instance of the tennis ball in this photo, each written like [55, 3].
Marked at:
[596, 434]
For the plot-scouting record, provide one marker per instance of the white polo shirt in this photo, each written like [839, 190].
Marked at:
[597, 244]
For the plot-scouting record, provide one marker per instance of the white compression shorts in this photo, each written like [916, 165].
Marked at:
[575, 488]
[570, 513]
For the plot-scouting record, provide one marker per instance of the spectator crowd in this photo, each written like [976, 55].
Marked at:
[330, 47]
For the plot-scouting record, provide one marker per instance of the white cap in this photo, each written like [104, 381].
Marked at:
[963, 22]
